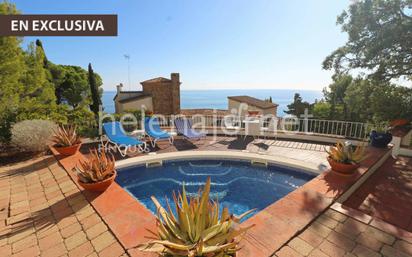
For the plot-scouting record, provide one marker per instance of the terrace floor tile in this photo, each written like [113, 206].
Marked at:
[387, 194]
[127, 220]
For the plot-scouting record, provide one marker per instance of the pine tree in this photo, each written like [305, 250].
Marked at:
[37, 101]
[39, 45]
[94, 89]
[12, 67]
[298, 106]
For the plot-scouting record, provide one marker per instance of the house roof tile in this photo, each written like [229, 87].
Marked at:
[125, 96]
[155, 80]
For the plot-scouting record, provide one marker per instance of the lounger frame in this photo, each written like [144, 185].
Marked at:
[142, 148]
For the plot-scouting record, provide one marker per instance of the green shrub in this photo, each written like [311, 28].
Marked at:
[32, 135]
[35, 112]
[127, 121]
[84, 120]
[136, 113]
[131, 127]
[6, 121]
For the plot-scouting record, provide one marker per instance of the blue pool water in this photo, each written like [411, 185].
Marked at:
[236, 184]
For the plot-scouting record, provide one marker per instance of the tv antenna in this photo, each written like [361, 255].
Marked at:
[127, 57]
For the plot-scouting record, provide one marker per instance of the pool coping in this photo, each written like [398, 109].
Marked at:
[128, 219]
[230, 155]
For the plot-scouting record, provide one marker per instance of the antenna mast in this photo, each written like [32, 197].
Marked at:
[127, 57]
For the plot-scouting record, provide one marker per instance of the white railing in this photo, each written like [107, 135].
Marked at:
[333, 128]
[347, 129]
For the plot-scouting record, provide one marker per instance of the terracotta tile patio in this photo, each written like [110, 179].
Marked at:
[341, 235]
[388, 194]
[43, 212]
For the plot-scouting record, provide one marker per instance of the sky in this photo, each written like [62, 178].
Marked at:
[213, 44]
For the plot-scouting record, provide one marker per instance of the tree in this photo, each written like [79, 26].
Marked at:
[74, 88]
[335, 95]
[39, 45]
[380, 40]
[32, 87]
[38, 99]
[364, 100]
[321, 110]
[72, 85]
[298, 106]
[12, 67]
[57, 73]
[94, 89]
[370, 101]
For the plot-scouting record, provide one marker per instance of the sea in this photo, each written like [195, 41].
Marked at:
[217, 99]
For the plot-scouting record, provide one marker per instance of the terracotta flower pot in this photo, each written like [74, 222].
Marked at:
[399, 122]
[68, 150]
[342, 168]
[98, 186]
[253, 113]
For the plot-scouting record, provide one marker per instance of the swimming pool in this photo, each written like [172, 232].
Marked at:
[237, 184]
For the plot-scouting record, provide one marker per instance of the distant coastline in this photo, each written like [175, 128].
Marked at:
[217, 99]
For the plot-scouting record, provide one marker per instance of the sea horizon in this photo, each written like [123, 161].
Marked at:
[217, 98]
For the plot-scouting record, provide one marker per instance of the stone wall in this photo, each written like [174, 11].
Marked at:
[165, 95]
[175, 93]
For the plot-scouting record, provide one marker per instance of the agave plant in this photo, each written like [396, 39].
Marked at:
[346, 154]
[198, 229]
[97, 167]
[66, 136]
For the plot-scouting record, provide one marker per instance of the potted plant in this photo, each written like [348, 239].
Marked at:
[399, 123]
[344, 159]
[197, 229]
[66, 140]
[380, 136]
[97, 172]
[148, 113]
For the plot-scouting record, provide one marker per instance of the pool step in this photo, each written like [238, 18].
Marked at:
[259, 163]
[156, 163]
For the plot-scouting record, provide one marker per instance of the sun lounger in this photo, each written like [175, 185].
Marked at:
[184, 127]
[115, 134]
[154, 132]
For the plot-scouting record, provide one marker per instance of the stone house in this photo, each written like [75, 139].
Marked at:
[159, 95]
[252, 104]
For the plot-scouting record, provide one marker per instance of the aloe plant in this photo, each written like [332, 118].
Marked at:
[346, 154]
[97, 167]
[198, 229]
[66, 136]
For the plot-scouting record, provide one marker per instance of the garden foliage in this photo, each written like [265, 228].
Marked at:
[379, 51]
[32, 87]
[32, 135]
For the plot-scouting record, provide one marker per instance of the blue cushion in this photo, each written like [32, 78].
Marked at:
[153, 129]
[115, 133]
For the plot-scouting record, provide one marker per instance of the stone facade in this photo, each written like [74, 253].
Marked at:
[159, 95]
[165, 94]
